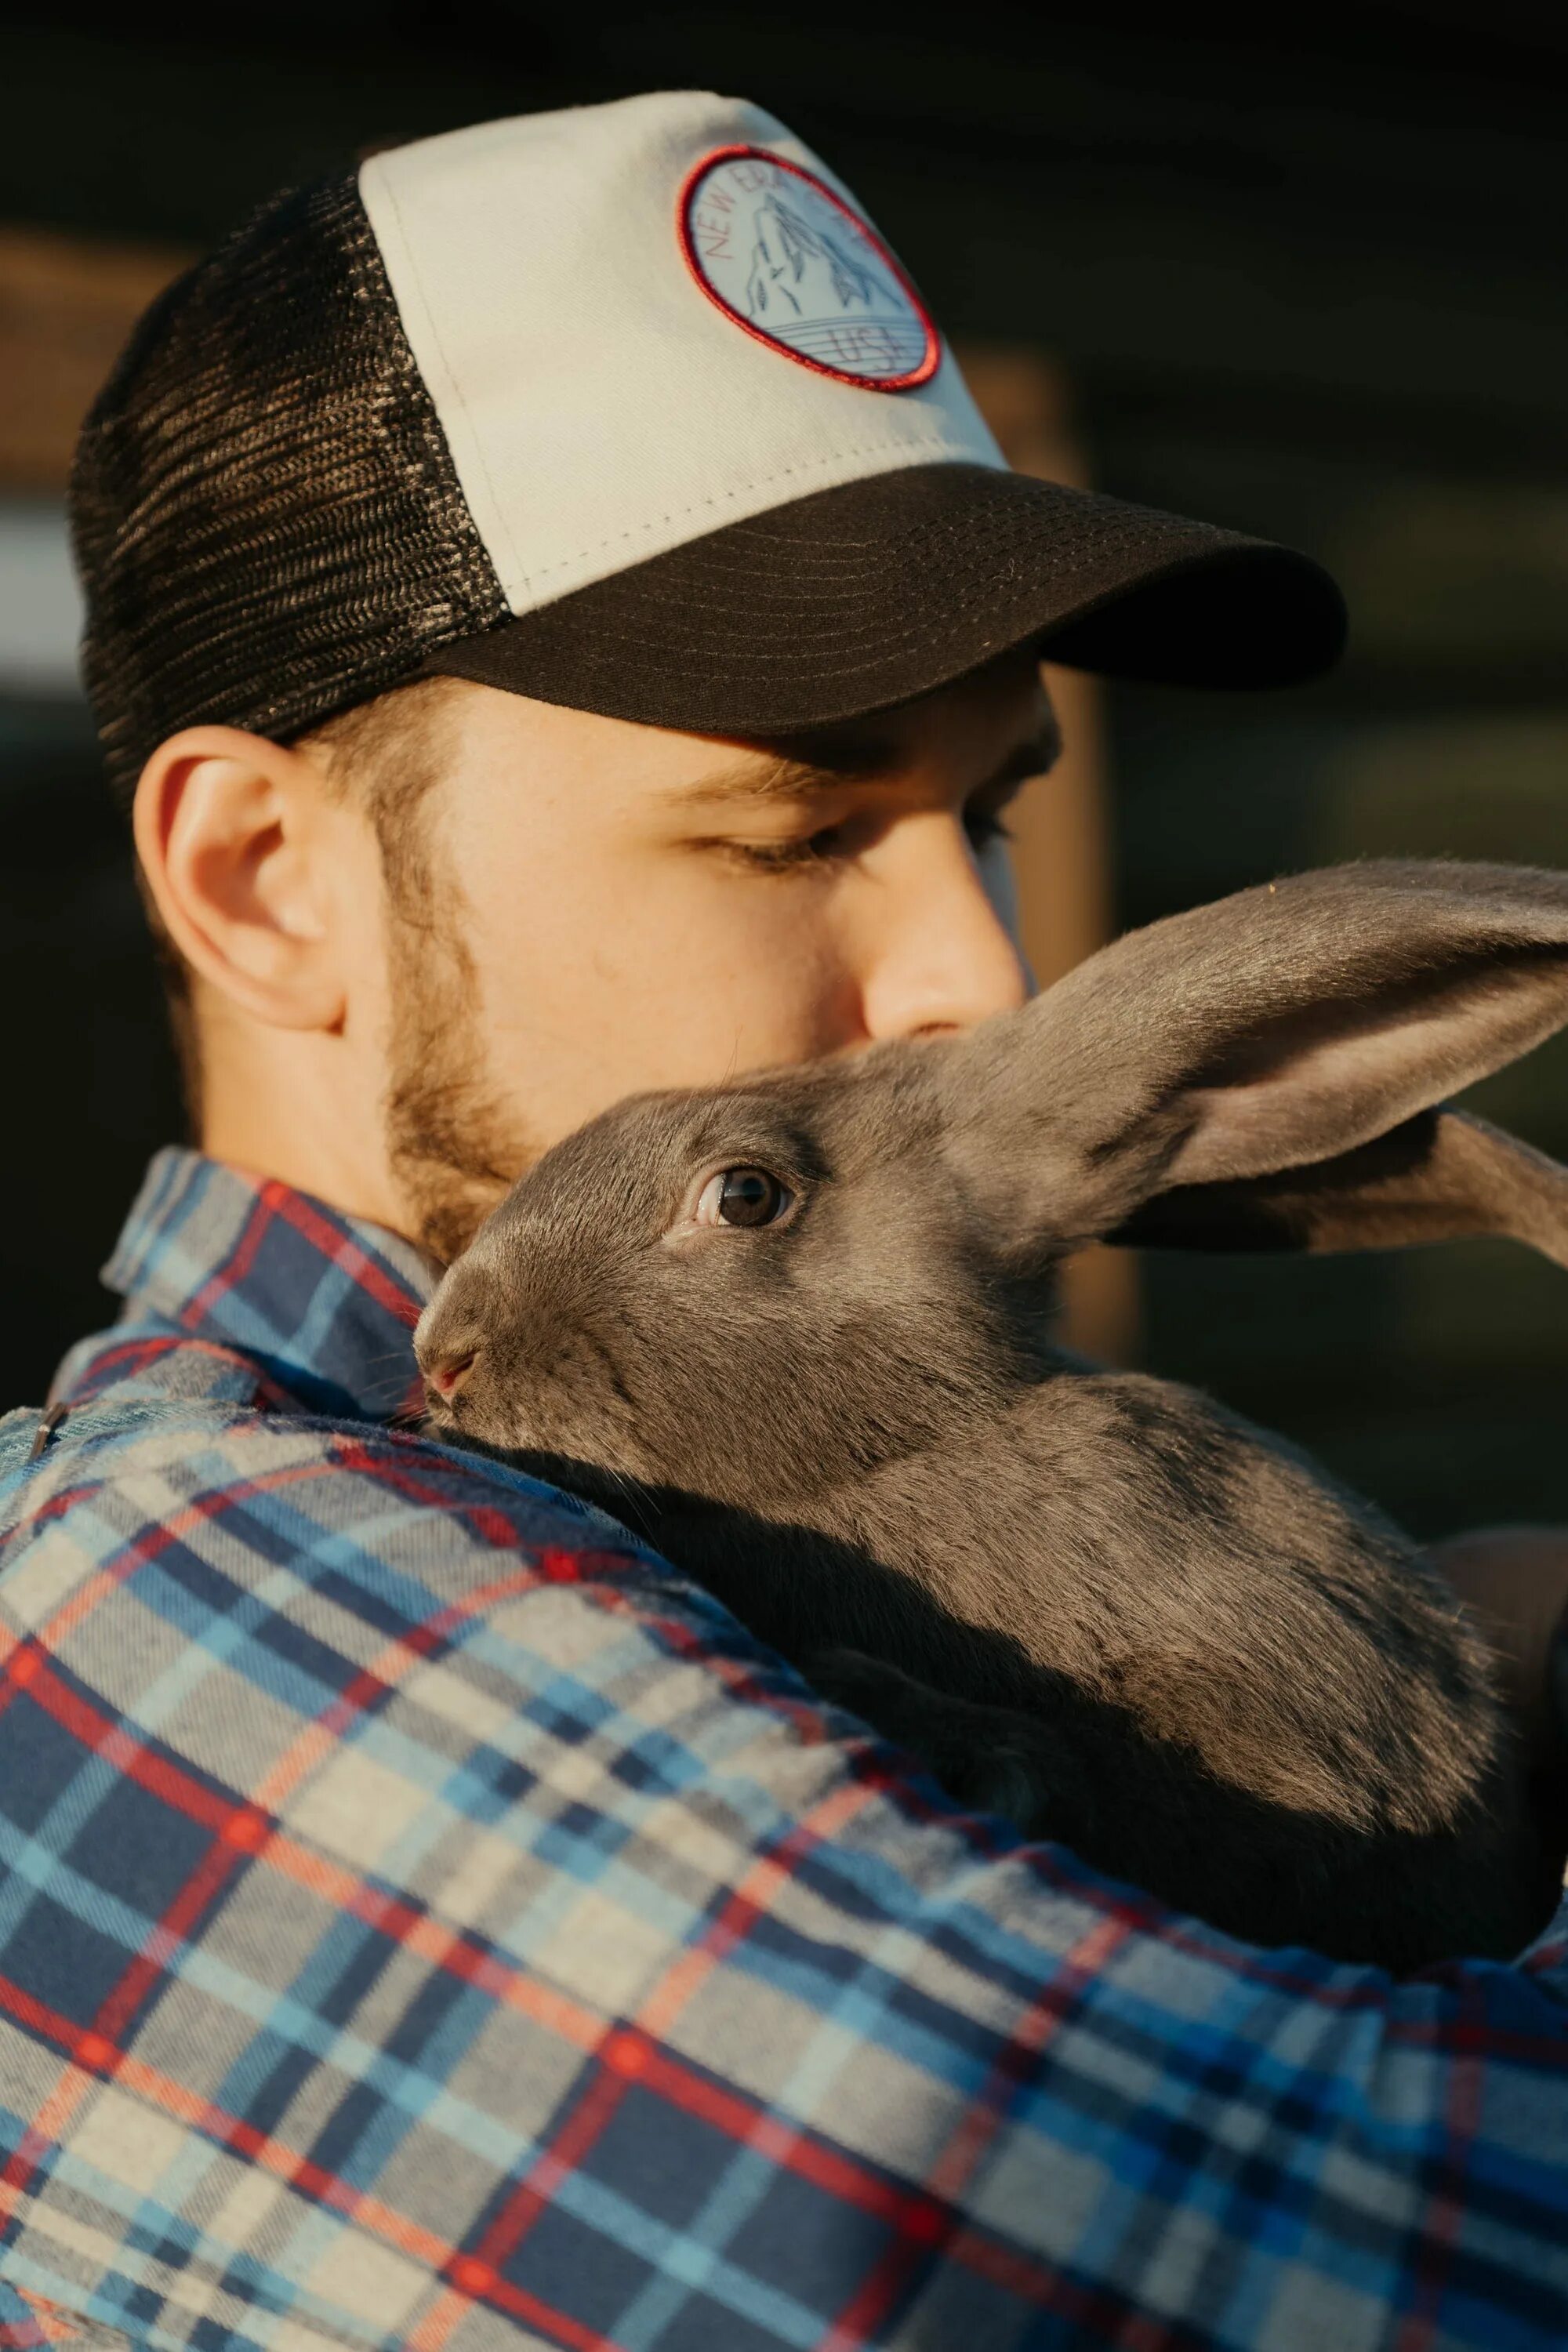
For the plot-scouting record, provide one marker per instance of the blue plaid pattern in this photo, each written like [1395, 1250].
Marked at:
[426, 1921]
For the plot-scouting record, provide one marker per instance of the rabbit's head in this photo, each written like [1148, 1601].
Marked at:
[753, 1289]
[712, 1289]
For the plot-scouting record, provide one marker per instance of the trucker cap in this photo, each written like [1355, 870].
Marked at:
[627, 407]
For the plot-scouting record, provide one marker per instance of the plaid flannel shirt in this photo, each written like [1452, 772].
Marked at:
[428, 1921]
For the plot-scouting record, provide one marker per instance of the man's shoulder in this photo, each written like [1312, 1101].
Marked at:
[207, 1576]
[125, 1431]
[124, 1479]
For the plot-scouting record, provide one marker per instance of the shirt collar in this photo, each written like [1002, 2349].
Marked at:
[325, 1303]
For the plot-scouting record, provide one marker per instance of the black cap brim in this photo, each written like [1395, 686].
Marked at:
[853, 599]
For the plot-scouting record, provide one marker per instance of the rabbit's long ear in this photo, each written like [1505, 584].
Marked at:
[1283, 1028]
[1441, 1176]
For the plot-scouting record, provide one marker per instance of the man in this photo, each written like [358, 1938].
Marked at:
[564, 628]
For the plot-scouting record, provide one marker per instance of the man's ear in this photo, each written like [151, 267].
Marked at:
[237, 838]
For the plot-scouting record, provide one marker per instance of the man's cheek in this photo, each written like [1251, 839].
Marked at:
[674, 973]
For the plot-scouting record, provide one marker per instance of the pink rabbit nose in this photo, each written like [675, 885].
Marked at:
[448, 1374]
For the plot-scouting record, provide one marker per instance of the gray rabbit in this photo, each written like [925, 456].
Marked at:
[796, 1331]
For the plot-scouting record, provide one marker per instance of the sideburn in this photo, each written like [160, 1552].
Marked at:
[453, 1146]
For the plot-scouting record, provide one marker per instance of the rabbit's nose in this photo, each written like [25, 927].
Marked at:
[446, 1374]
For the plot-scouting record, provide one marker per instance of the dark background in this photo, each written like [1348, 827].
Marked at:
[1309, 280]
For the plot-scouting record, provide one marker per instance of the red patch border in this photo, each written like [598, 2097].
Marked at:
[931, 360]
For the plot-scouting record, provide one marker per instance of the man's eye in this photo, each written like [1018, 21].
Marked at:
[743, 1196]
[832, 844]
[820, 848]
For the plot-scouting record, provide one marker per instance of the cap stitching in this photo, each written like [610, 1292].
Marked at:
[940, 444]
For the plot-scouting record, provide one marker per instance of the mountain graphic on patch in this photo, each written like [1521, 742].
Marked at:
[803, 283]
[795, 265]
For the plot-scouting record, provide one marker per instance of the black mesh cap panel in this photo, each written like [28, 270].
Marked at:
[267, 522]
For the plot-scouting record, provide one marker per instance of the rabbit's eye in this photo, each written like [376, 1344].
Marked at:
[743, 1196]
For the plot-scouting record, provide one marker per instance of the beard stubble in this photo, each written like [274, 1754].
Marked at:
[453, 1146]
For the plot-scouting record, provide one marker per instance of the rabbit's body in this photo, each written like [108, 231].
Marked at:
[1094, 1601]
[1169, 1642]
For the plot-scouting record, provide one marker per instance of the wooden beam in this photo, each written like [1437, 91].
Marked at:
[66, 305]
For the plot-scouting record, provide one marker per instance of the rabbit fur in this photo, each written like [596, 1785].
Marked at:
[1094, 1601]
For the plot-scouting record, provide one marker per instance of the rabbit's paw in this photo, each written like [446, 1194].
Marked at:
[987, 1756]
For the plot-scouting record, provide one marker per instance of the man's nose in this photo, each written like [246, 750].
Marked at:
[944, 953]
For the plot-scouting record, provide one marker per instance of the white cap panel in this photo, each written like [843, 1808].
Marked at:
[600, 406]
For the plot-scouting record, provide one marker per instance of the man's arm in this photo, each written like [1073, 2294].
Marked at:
[426, 1921]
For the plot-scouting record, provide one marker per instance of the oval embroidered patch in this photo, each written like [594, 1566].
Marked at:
[790, 262]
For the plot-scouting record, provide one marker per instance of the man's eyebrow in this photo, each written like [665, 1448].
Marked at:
[785, 774]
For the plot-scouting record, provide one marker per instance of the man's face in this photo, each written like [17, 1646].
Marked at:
[612, 908]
